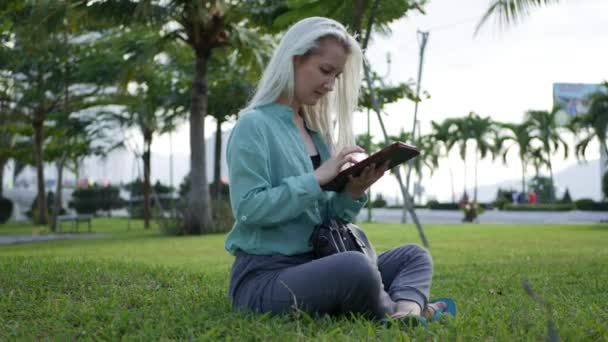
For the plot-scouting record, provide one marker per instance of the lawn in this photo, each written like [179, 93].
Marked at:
[137, 284]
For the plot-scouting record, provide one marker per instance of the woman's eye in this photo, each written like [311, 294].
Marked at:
[325, 71]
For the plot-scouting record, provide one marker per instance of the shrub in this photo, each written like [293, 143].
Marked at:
[567, 199]
[435, 205]
[6, 209]
[543, 189]
[50, 201]
[90, 200]
[379, 202]
[539, 207]
[223, 220]
[605, 185]
[184, 189]
[471, 211]
[588, 204]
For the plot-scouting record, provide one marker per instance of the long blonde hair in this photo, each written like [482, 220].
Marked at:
[278, 79]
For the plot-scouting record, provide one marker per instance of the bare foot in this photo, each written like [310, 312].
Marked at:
[405, 308]
[431, 308]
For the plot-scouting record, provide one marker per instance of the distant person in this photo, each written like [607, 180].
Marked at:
[521, 198]
[281, 151]
[464, 200]
[532, 197]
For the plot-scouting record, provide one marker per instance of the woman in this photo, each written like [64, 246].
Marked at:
[280, 153]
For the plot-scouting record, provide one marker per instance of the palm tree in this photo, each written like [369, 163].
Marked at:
[537, 157]
[593, 123]
[521, 137]
[441, 135]
[459, 134]
[481, 132]
[507, 12]
[545, 129]
[429, 155]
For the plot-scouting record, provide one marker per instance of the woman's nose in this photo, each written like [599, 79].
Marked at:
[329, 85]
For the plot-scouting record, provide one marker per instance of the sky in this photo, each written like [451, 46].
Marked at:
[498, 73]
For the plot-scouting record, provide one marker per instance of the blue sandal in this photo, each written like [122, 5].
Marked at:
[450, 308]
[412, 321]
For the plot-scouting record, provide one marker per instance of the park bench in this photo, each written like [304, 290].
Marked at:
[75, 219]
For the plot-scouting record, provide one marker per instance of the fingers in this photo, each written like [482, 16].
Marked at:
[347, 159]
[349, 150]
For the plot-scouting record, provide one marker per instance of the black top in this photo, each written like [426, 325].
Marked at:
[316, 161]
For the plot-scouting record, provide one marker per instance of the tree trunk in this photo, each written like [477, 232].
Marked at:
[358, 11]
[217, 166]
[523, 174]
[475, 191]
[548, 150]
[41, 216]
[452, 181]
[2, 165]
[464, 191]
[146, 160]
[198, 216]
[58, 189]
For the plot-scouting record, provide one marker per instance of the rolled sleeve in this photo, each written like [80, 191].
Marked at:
[342, 205]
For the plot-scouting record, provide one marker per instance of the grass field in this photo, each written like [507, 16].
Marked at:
[140, 285]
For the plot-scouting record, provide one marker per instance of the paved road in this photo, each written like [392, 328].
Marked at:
[7, 240]
[490, 216]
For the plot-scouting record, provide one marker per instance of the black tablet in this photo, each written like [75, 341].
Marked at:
[397, 153]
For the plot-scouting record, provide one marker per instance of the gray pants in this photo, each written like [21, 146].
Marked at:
[340, 283]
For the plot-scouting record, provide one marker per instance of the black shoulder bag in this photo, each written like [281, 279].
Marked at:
[337, 236]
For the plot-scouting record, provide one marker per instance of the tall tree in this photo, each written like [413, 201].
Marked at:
[594, 123]
[49, 57]
[442, 136]
[544, 128]
[520, 136]
[482, 133]
[73, 136]
[228, 92]
[154, 102]
[208, 28]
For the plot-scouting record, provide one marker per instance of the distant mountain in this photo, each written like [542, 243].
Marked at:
[581, 179]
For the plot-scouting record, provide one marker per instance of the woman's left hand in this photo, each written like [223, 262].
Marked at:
[357, 186]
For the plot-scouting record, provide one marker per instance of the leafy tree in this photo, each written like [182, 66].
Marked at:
[73, 136]
[228, 93]
[209, 29]
[47, 58]
[157, 101]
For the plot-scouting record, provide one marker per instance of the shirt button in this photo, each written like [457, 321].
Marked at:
[243, 218]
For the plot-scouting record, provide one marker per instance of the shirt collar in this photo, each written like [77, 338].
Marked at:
[285, 113]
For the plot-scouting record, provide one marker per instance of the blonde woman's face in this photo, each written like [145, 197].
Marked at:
[315, 74]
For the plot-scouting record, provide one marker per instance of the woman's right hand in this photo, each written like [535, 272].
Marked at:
[330, 169]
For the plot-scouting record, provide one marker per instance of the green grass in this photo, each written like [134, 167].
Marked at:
[138, 284]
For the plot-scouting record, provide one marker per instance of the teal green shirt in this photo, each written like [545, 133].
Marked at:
[276, 199]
